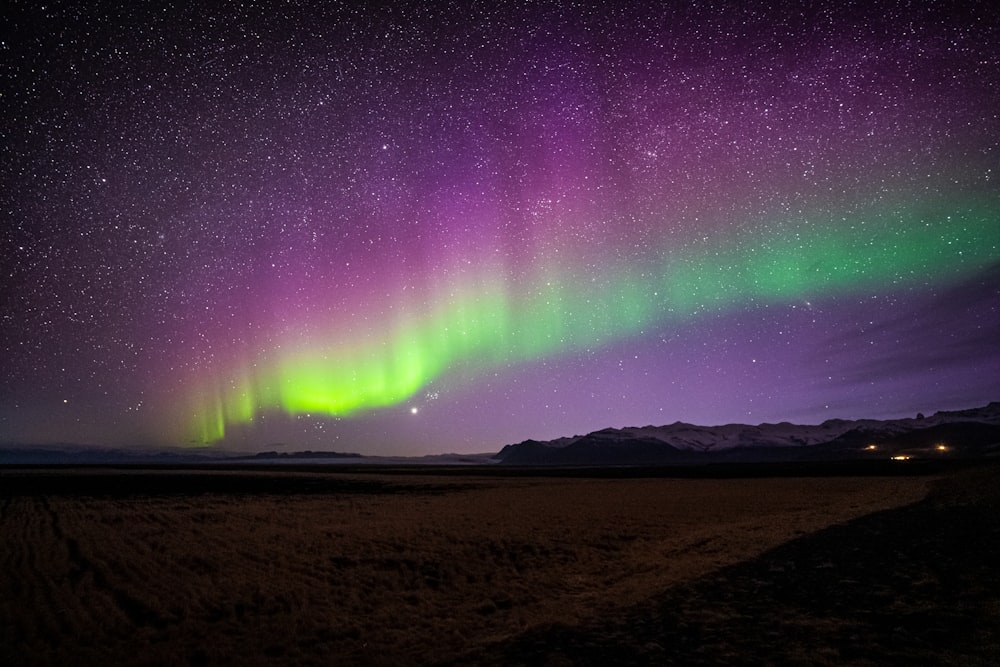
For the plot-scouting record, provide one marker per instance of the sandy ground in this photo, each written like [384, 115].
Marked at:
[369, 569]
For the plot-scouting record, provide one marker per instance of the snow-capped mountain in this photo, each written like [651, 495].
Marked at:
[963, 432]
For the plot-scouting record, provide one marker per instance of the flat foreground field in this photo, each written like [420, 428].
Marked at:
[133, 567]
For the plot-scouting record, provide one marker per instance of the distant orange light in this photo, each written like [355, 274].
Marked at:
[871, 448]
[942, 448]
[901, 457]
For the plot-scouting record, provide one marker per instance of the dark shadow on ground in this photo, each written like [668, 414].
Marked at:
[918, 585]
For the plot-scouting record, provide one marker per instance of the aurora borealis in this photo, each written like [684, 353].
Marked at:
[407, 229]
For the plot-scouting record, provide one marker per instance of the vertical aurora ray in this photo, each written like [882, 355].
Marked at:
[479, 321]
[523, 220]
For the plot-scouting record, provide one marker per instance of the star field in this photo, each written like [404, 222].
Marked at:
[408, 229]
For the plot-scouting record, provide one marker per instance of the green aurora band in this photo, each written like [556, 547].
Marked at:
[496, 319]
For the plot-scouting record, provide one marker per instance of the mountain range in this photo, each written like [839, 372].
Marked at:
[961, 434]
[970, 433]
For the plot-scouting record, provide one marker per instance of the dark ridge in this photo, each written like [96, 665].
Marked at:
[869, 440]
[307, 454]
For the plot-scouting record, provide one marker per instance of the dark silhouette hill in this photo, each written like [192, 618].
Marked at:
[973, 433]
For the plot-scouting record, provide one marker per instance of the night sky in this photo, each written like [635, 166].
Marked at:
[411, 229]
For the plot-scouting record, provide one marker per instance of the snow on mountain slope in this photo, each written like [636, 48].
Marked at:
[785, 434]
[679, 437]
